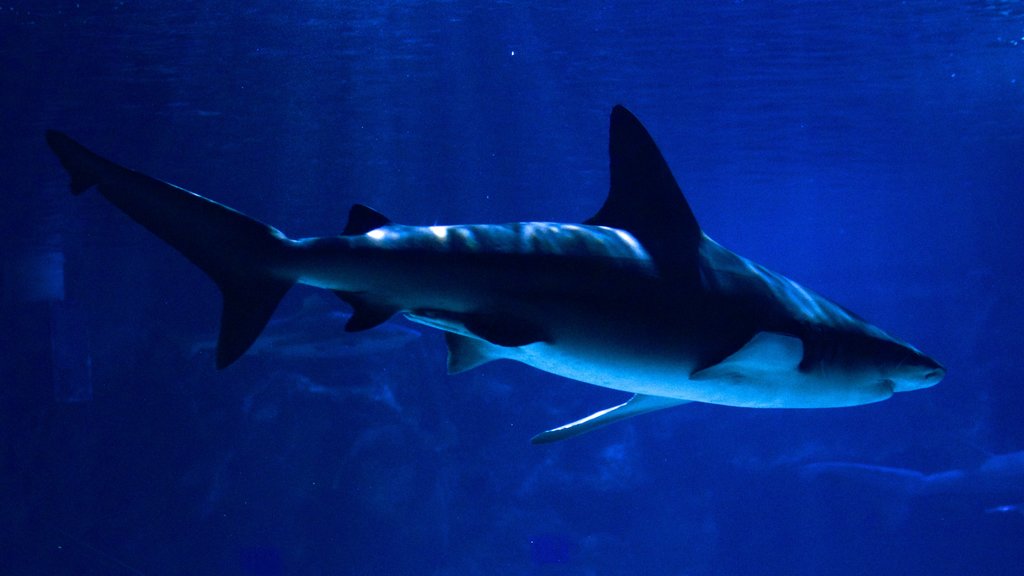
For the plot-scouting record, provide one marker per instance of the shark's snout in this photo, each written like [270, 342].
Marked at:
[920, 372]
[934, 376]
[931, 372]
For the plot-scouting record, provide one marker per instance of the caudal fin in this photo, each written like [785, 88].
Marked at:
[243, 256]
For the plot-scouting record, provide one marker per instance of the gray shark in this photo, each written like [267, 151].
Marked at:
[999, 475]
[637, 298]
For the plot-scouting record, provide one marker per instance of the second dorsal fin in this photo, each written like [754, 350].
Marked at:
[362, 219]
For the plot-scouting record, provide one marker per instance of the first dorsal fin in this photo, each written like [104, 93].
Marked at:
[362, 219]
[644, 198]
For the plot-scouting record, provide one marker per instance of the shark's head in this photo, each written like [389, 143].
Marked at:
[868, 356]
[902, 366]
[914, 371]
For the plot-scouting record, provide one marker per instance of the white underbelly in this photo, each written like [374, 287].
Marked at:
[671, 379]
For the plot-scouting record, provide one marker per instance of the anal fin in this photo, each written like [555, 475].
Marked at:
[366, 313]
[466, 353]
[638, 404]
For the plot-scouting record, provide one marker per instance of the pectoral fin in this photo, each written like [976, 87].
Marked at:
[765, 353]
[638, 404]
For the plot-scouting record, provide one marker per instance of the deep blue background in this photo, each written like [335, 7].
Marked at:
[869, 150]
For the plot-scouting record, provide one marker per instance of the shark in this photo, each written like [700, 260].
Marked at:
[997, 476]
[636, 298]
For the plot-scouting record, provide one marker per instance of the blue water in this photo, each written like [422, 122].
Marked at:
[869, 150]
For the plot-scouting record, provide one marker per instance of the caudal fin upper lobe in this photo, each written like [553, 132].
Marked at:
[242, 255]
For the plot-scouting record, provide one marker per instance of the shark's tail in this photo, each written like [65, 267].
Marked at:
[244, 257]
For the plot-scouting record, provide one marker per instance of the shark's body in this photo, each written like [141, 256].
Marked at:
[637, 299]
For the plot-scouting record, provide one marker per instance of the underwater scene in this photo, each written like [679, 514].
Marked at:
[506, 288]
